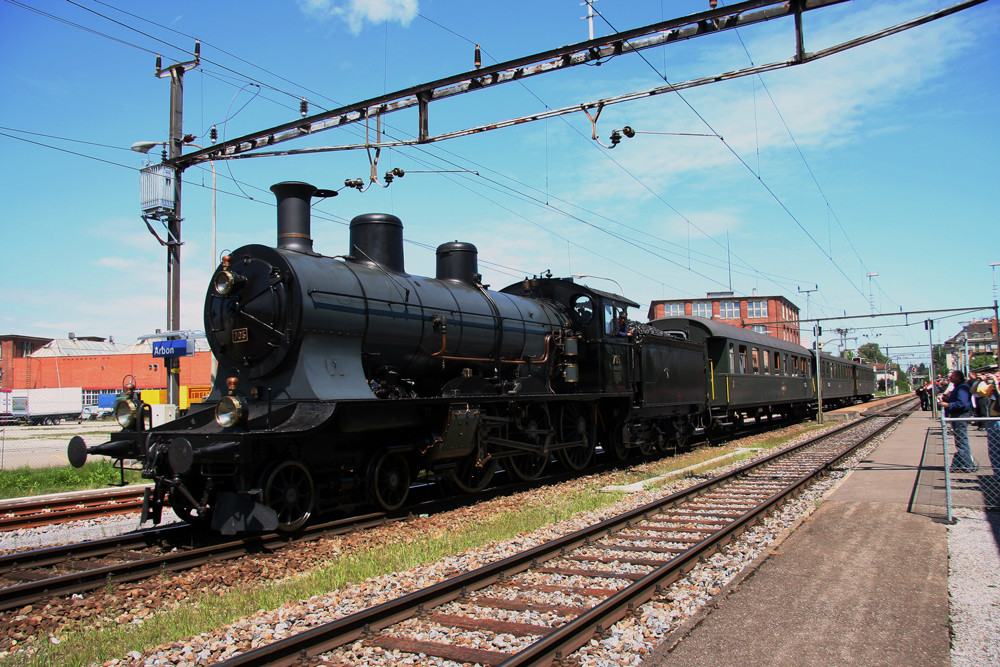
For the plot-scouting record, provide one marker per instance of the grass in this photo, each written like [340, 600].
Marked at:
[25, 481]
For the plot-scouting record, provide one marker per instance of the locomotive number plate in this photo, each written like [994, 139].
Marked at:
[240, 335]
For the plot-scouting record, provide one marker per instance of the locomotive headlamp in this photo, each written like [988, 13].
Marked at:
[230, 411]
[126, 412]
[225, 281]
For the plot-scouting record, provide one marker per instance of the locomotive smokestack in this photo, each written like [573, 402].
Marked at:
[294, 199]
[378, 238]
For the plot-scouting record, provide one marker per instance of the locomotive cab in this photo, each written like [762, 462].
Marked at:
[598, 325]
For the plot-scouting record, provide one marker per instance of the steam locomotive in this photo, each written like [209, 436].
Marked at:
[341, 380]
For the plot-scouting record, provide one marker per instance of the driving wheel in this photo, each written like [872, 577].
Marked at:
[474, 472]
[573, 427]
[533, 429]
[291, 494]
[390, 479]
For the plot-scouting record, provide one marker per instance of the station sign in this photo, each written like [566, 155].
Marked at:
[173, 348]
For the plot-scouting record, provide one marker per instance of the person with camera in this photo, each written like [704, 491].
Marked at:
[989, 393]
[957, 404]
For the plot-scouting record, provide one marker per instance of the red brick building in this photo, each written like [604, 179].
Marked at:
[771, 315]
[97, 365]
[15, 347]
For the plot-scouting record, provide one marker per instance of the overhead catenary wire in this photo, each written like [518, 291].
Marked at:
[740, 159]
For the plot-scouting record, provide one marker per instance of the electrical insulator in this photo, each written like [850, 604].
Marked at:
[628, 131]
[304, 107]
[197, 49]
[713, 3]
[214, 134]
[616, 137]
[354, 183]
[479, 59]
[159, 63]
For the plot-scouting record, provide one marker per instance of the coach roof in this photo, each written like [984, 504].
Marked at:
[701, 328]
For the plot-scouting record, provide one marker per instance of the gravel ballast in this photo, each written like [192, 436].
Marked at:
[974, 588]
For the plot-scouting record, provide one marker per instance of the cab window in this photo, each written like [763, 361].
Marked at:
[615, 320]
[583, 307]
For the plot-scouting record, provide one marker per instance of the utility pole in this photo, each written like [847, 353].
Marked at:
[888, 362]
[176, 141]
[590, 15]
[996, 332]
[929, 325]
[871, 296]
[817, 332]
[996, 321]
[843, 337]
[807, 292]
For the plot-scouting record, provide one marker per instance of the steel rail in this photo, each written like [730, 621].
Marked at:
[48, 556]
[41, 512]
[77, 582]
[574, 633]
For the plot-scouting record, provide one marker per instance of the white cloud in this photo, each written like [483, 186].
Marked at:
[356, 12]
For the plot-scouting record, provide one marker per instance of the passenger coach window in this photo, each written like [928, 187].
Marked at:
[763, 358]
[732, 359]
[743, 358]
[755, 359]
[777, 364]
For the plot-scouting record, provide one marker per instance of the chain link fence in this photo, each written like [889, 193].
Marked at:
[45, 446]
[975, 482]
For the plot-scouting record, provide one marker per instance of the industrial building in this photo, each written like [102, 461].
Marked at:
[97, 365]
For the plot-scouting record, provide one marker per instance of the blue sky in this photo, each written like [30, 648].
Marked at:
[882, 159]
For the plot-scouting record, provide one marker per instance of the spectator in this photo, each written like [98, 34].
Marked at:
[989, 394]
[980, 405]
[957, 404]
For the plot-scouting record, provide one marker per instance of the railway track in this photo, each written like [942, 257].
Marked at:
[30, 576]
[545, 603]
[42, 511]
